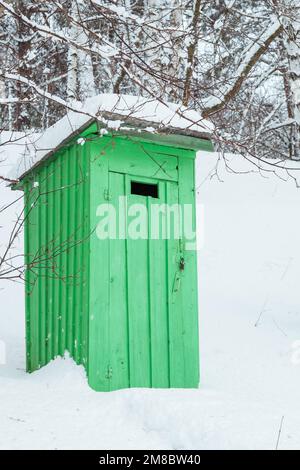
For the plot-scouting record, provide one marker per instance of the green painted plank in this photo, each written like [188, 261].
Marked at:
[138, 302]
[118, 312]
[70, 252]
[176, 331]
[78, 256]
[188, 299]
[49, 264]
[33, 314]
[63, 252]
[157, 265]
[54, 305]
[99, 360]
[86, 256]
[29, 276]
[43, 291]
[57, 283]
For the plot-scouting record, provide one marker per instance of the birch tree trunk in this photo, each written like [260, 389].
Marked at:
[24, 36]
[291, 41]
[80, 82]
[176, 56]
[72, 59]
[191, 52]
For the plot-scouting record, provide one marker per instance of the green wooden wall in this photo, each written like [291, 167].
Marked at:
[57, 255]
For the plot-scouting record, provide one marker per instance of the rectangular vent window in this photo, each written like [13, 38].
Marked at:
[144, 189]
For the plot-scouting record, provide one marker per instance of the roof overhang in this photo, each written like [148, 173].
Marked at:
[114, 115]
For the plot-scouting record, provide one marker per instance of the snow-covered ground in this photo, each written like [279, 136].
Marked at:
[249, 271]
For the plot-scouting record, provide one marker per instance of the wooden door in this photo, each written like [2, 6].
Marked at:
[144, 282]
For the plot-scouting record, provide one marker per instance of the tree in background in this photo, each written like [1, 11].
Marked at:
[236, 61]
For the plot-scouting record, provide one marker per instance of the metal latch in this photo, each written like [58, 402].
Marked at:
[181, 263]
[177, 282]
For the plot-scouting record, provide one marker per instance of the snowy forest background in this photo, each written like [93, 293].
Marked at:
[235, 61]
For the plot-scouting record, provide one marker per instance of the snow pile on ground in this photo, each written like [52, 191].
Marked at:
[249, 270]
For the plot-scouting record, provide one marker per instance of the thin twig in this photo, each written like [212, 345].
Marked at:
[279, 432]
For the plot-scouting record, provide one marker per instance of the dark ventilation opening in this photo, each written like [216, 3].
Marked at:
[144, 189]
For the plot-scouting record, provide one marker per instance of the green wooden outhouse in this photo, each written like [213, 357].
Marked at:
[105, 281]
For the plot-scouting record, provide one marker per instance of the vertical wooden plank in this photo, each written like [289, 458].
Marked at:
[99, 360]
[176, 323]
[29, 199]
[63, 251]
[74, 279]
[57, 283]
[27, 276]
[46, 261]
[33, 243]
[86, 256]
[78, 254]
[54, 262]
[158, 304]
[42, 226]
[70, 251]
[49, 263]
[138, 304]
[118, 320]
[187, 298]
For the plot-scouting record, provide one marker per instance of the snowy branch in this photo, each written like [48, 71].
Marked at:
[251, 56]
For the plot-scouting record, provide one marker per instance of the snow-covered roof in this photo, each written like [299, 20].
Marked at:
[113, 112]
